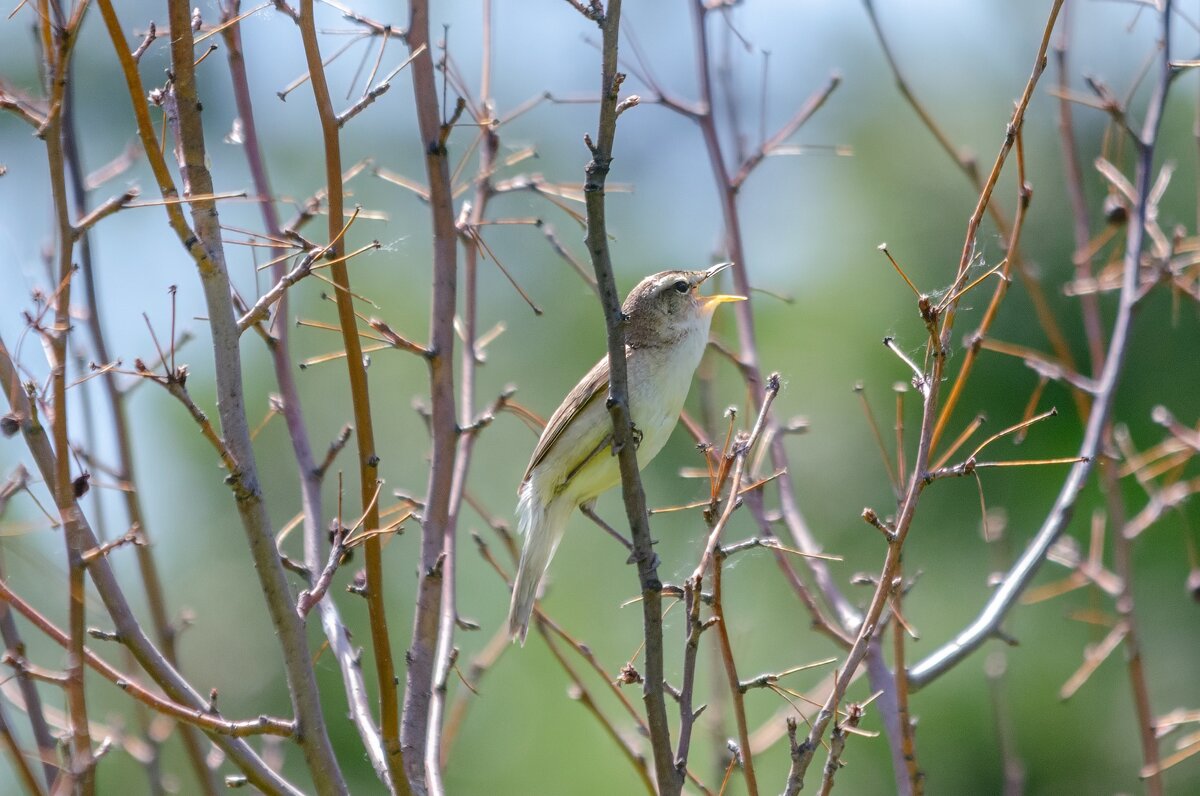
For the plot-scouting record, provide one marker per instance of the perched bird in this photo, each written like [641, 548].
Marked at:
[665, 336]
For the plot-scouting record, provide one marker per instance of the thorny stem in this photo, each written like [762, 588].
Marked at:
[837, 745]
[436, 524]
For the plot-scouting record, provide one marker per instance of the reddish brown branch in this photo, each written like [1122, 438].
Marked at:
[368, 459]
[203, 718]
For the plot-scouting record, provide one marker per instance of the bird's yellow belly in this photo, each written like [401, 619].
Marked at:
[653, 417]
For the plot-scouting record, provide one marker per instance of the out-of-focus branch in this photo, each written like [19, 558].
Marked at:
[156, 601]
[56, 42]
[17, 756]
[206, 718]
[1131, 638]
[1090, 302]
[802, 115]
[33, 701]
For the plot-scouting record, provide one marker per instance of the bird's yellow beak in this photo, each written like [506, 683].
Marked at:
[710, 303]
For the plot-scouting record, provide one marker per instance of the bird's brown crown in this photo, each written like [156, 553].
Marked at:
[664, 306]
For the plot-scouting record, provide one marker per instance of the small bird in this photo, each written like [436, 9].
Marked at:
[666, 332]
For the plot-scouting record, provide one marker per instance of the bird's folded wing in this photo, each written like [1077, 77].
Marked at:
[591, 388]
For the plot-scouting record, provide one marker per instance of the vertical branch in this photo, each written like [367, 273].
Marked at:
[1123, 567]
[1145, 143]
[1089, 302]
[293, 414]
[56, 43]
[691, 649]
[735, 689]
[1090, 306]
[368, 460]
[916, 778]
[436, 524]
[887, 706]
[447, 622]
[124, 472]
[183, 110]
[24, 773]
[750, 365]
[670, 778]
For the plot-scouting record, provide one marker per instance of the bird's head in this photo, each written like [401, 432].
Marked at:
[668, 305]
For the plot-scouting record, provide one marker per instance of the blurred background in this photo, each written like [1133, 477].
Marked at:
[869, 172]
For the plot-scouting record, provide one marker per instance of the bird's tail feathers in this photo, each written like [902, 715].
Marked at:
[542, 524]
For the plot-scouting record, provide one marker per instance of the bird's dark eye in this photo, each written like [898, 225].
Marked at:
[682, 286]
